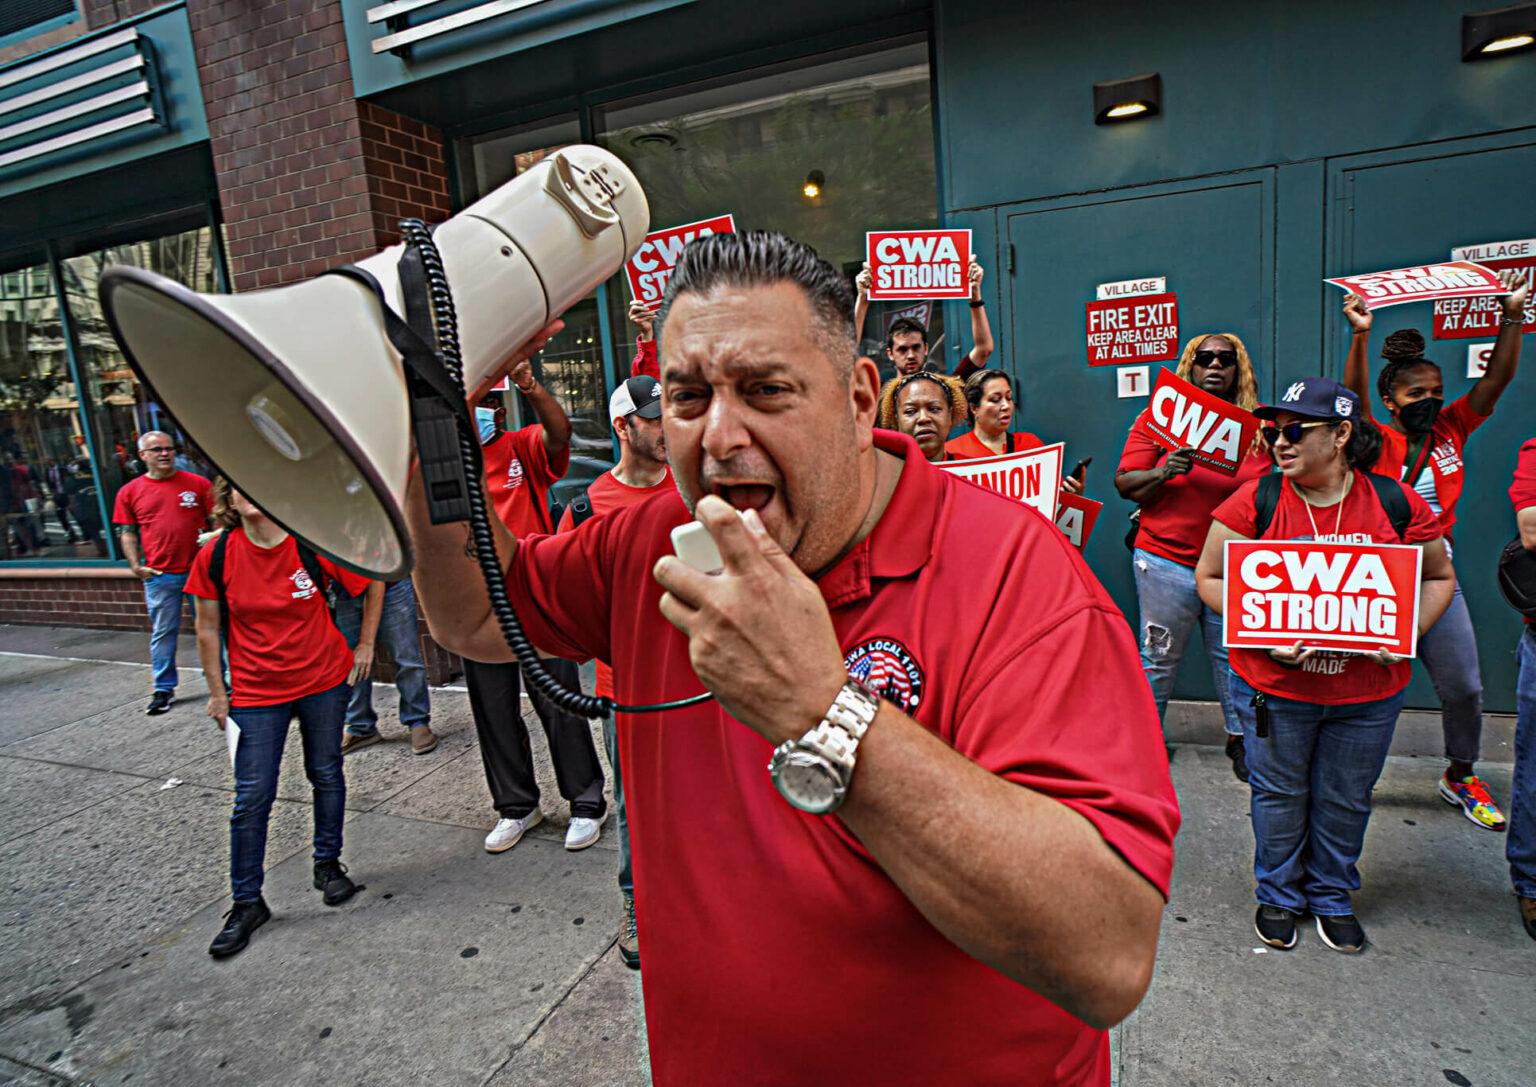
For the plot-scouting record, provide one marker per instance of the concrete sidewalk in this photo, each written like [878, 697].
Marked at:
[458, 967]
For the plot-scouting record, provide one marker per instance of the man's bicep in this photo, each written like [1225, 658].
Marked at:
[561, 588]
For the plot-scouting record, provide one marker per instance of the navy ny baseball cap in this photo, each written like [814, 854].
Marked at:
[1317, 397]
[636, 396]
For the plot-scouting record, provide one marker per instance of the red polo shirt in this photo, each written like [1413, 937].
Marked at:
[518, 475]
[970, 447]
[1441, 481]
[169, 513]
[1175, 521]
[758, 917]
[1522, 492]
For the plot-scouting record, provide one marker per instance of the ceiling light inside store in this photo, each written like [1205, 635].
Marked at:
[653, 139]
[1498, 32]
[815, 184]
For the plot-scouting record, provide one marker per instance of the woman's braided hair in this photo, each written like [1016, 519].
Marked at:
[1403, 350]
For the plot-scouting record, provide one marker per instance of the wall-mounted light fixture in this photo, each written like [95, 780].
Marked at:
[1127, 99]
[815, 185]
[1498, 32]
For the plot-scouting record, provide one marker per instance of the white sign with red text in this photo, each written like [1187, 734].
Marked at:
[1341, 596]
[651, 266]
[1421, 283]
[1033, 477]
[918, 264]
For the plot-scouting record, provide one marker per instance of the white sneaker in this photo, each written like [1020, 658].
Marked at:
[508, 832]
[583, 832]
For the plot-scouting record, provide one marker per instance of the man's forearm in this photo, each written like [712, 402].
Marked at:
[1526, 519]
[208, 654]
[128, 540]
[1011, 876]
[551, 416]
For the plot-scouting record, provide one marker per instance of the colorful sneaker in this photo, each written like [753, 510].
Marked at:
[1471, 795]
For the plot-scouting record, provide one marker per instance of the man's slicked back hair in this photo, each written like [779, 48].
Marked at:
[762, 258]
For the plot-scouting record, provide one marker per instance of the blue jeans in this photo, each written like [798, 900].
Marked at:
[1520, 844]
[626, 870]
[263, 730]
[1311, 780]
[398, 633]
[162, 596]
[1170, 611]
[1449, 653]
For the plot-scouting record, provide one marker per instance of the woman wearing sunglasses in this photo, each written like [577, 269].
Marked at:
[1422, 445]
[1176, 497]
[925, 406]
[1328, 716]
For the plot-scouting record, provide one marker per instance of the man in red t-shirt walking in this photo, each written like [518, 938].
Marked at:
[641, 474]
[520, 467]
[955, 869]
[159, 516]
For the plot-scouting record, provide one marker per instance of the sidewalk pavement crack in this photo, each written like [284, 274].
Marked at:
[47, 1072]
[550, 1010]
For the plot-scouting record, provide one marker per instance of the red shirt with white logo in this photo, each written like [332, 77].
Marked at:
[518, 475]
[757, 916]
[283, 644]
[1441, 481]
[1328, 678]
[606, 493]
[970, 447]
[170, 513]
[1522, 492]
[1174, 521]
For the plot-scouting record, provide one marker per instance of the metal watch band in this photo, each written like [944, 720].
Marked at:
[838, 734]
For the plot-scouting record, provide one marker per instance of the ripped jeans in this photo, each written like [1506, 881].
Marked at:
[1170, 611]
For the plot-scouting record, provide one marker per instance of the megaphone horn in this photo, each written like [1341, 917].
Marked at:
[297, 393]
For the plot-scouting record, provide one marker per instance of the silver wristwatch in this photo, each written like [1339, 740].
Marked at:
[813, 772]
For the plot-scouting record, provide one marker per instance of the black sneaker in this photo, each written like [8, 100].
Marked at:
[1342, 933]
[1276, 927]
[159, 703]
[1239, 757]
[331, 878]
[242, 920]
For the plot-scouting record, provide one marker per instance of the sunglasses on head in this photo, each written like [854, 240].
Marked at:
[1226, 358]
[1292, 431]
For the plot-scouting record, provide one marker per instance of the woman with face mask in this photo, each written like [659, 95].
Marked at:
[1422, 446]
[1317, 725]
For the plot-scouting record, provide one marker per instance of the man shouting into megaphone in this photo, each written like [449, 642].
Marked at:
[941, 824]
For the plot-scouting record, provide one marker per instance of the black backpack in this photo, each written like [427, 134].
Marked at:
[580, 508]
[1388, 491]
[307, 556]
[1517, 578]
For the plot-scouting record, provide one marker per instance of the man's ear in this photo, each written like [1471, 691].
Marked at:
[864, 391]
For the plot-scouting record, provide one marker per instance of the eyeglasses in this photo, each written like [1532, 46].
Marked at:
[1292, 431]
[1205, 358]
[158, 449]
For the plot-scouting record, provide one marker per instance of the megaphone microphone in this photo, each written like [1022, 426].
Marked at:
[304, 396]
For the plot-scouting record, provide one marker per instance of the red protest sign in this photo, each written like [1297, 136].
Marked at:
[1421, 283]
[1183, 416]
[1033, 478]
[1472, 318]
[1076, 516]
[918, 264]
[1341, 596]
[651, 266]
[1141, 328]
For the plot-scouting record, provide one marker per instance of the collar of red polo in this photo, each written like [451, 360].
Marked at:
[902, 539]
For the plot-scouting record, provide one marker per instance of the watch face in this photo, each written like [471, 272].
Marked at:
[807, 782]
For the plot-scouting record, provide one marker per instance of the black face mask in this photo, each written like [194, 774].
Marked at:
[1419, 416]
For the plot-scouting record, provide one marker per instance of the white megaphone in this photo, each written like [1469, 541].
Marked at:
[297, 393]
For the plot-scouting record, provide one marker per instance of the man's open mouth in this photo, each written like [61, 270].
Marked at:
[745, 496]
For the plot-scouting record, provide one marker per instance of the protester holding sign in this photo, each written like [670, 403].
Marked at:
[906, 344]
[1176, 496]
[924, 406]
[1422, 445]
[989, 396]
[1520, 847]
[644, 363]
[1317, 725]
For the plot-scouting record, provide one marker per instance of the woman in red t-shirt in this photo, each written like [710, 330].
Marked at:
[286, 658]
[1175, 497]
[925, 406]
[1317, 725]
[989, 396]
[1422, 445]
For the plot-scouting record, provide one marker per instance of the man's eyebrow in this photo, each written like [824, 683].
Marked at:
[737, 370]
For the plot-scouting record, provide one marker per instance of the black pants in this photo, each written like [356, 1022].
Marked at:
[494, 700]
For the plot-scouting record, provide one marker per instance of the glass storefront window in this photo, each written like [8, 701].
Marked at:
[48, 499]
[120, 406]
[748, 145]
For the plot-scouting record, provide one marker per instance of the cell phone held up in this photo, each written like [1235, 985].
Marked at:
[1080, 469]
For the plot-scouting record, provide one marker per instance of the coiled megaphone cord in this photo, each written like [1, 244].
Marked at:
[446, 325]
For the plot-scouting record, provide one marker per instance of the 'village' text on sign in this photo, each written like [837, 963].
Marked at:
[1141, 328]
[916, 264]
[1183, 415]
[1033, 478]
[1422, 283]
[651, 266]
[1340, 596]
